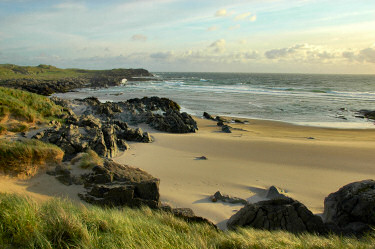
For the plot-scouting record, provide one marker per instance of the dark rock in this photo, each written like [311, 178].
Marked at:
[220, 123]
[174, 122]
[201, 158]
[367, 114]
[118, 185]
[208, 116]
[226, 129]
[187, 214]
[274, 193]
[226, 198]
[220, 119]
[352, 207]
[239, 121]
[278, 214]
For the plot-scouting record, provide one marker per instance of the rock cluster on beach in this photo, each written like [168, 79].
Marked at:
[349, 211]
[103, 127]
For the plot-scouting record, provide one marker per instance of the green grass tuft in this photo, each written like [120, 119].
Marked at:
[26, 157]
[87, 159]
[62, 224]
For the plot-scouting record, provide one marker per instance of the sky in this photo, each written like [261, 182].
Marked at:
[264, 36]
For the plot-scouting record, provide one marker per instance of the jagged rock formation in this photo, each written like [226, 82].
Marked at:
[120, 185]
[88, 132]
[160, 113]
[352, 208]
[278, 214]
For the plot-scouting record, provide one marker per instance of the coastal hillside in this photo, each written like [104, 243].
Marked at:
[47, 79]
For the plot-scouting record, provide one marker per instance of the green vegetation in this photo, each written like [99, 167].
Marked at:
[24, 158]
[62, 224]
[27, 106]
[87, 159]
[10, 71]
[48, 72]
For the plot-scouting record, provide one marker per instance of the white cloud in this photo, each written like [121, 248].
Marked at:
[305, 53]
[222, 12]
[139, 37]
[242, 16]
[218, 46]
[253, 18]
[368, 55]
[362, 56]
[212, 28]
[162, 55]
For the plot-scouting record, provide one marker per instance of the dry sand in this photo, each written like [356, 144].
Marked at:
[251, 159]
[243, 164]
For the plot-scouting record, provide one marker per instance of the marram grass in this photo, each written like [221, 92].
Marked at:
[27, 107]
[25, 158]
[62, 224]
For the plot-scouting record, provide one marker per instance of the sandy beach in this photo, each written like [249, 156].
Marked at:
[308, 163]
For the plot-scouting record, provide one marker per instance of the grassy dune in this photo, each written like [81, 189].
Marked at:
[25, 158]
[61, 224]
[19, 109]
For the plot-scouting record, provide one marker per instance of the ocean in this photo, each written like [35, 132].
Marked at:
[306, 99]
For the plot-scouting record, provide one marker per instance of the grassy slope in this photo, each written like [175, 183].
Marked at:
[61, 224]
[19, 110]
[48, 72]
[28, 107]
[10, 71]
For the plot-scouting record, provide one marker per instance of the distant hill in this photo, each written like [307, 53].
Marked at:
[47, 79]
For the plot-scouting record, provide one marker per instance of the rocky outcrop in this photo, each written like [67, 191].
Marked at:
[226, 198]
[366, 114]
[88, 132]
[352, 208]
[277, 214]
[120, 185]
[160, 113]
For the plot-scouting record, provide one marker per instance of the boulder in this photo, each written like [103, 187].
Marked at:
[352, 207]
[120, 185]
[187, 214]
[208, 116]
[226, 198]
[277, 214]
[274, 193]
[226, 129]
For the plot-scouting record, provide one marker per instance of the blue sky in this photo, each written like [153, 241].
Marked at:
[289, 36]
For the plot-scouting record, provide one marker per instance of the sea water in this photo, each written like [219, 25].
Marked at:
[309, 99]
